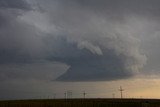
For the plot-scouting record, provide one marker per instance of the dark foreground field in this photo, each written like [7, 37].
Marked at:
[82, 103]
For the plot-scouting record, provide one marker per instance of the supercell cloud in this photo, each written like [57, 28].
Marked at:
[97, 39]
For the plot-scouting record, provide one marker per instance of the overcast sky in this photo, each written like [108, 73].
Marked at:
[50, 46]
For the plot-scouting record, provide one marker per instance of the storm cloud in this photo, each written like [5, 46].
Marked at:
[94, 45]
[97, 39]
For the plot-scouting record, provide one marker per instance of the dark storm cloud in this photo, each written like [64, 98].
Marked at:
[130, 21]
[21, 47]
[87, 66]
[116, 8]
[97, 39]
[17, 4]
[19, 42]
[97, 45]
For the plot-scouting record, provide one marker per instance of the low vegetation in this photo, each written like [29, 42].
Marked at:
[82, 103]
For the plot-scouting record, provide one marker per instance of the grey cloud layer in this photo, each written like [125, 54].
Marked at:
[97, 39]
[18, 4]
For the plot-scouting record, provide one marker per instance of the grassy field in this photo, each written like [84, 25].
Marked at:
[82, 103]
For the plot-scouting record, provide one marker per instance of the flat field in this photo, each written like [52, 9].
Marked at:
[82, 103]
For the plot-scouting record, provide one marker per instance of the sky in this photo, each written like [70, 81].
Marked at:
[49, 47]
